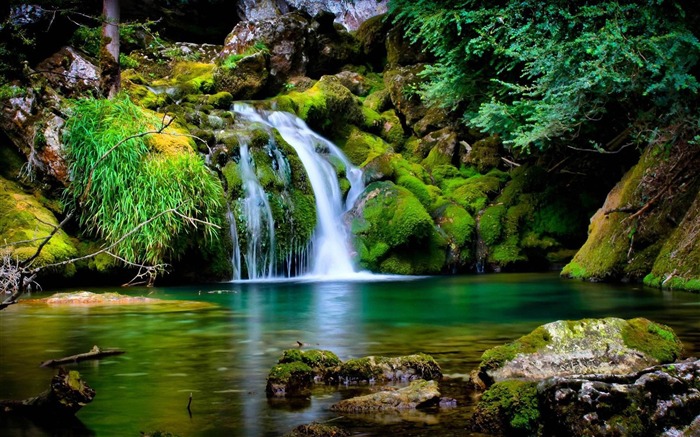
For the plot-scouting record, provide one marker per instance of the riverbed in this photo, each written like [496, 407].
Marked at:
[220, 353]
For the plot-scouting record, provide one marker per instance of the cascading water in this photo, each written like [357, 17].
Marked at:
[331, 250]
[260, 247]
[236, 257]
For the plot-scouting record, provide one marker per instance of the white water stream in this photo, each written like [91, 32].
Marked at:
[332, 253]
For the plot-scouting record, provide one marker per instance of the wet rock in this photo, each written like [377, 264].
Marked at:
[247, 79]
[443, 146]
[298, 45]
[372, 38]
[419, 394]
[402, 83]
[405, 368]
[484, 154]
[647, 403]
[70, 72]
[590, 346]
[317, 430]
[355, 82]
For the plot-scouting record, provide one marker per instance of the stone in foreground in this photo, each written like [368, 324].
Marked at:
[418, 394]
[609, 346]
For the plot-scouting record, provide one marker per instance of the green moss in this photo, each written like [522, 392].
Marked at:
[491, 224]
[513, 403]
[532, 342]
[417, 187]
[359, 369]
[395, 231]
[656, 340]
[283, 373]
[314, 358]
[378, 101]
[457, 224]
[220, 100]
[327, 105]
[23, 225]
[361, 147]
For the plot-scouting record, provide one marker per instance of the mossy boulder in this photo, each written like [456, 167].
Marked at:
[484, 154]
[443, 148]
[326, 106]
[289, 380]
[244, 79]
[25, 222]
[419, 394]
[508, 408]
[361, 147]
[589, 346]
[394, 233]
[372, 38]
[383, 369]
[324, 363]
[402, 83]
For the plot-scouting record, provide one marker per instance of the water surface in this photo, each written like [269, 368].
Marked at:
[221, 352]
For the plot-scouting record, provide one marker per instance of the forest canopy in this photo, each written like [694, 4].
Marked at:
[539, 71]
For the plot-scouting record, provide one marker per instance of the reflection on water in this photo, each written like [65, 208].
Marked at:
[221, 353]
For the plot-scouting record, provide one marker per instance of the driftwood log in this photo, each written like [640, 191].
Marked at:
[67, 394]
[95, 354]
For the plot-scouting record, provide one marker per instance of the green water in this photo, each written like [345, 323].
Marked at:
[221, 352]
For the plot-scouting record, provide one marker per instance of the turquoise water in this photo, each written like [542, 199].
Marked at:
[221, 351]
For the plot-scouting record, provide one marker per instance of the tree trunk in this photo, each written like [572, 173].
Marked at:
[110, 82]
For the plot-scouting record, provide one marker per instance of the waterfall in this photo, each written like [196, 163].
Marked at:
[332, 254]
[260, 226]
[236, 256]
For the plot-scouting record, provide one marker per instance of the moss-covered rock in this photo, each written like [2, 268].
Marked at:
[326, 106]
[382, 369]
[394, 233]
[484, 154]
[361, 147]
[289, 380]
[402, 84]
[645, 227]
[245, 78]
[24, 224]
[419, 394]
[589, 346]
[508, 408]
[324, 363]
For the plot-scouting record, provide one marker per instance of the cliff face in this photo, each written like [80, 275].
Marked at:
[649, 225]
[349, 13]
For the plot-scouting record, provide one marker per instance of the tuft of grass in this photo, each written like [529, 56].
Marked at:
[132, 184]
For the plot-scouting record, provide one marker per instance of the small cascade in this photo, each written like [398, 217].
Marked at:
[260, 226]
[236, 256]
[331, 256]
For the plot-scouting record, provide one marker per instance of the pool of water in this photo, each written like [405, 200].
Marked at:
[221, 351]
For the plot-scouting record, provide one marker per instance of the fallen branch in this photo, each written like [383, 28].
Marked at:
[95, 354]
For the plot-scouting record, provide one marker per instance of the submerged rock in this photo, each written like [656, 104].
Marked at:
[591, 346]
[315, 429]
[419, 394]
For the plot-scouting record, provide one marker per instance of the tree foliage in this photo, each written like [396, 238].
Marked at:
[534, 70]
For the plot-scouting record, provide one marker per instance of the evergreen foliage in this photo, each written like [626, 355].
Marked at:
[132, 183]
[537, 70]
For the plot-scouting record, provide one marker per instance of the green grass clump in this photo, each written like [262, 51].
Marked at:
[115, 189]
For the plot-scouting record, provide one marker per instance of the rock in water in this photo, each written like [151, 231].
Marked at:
[418, 394]
[609, 346]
